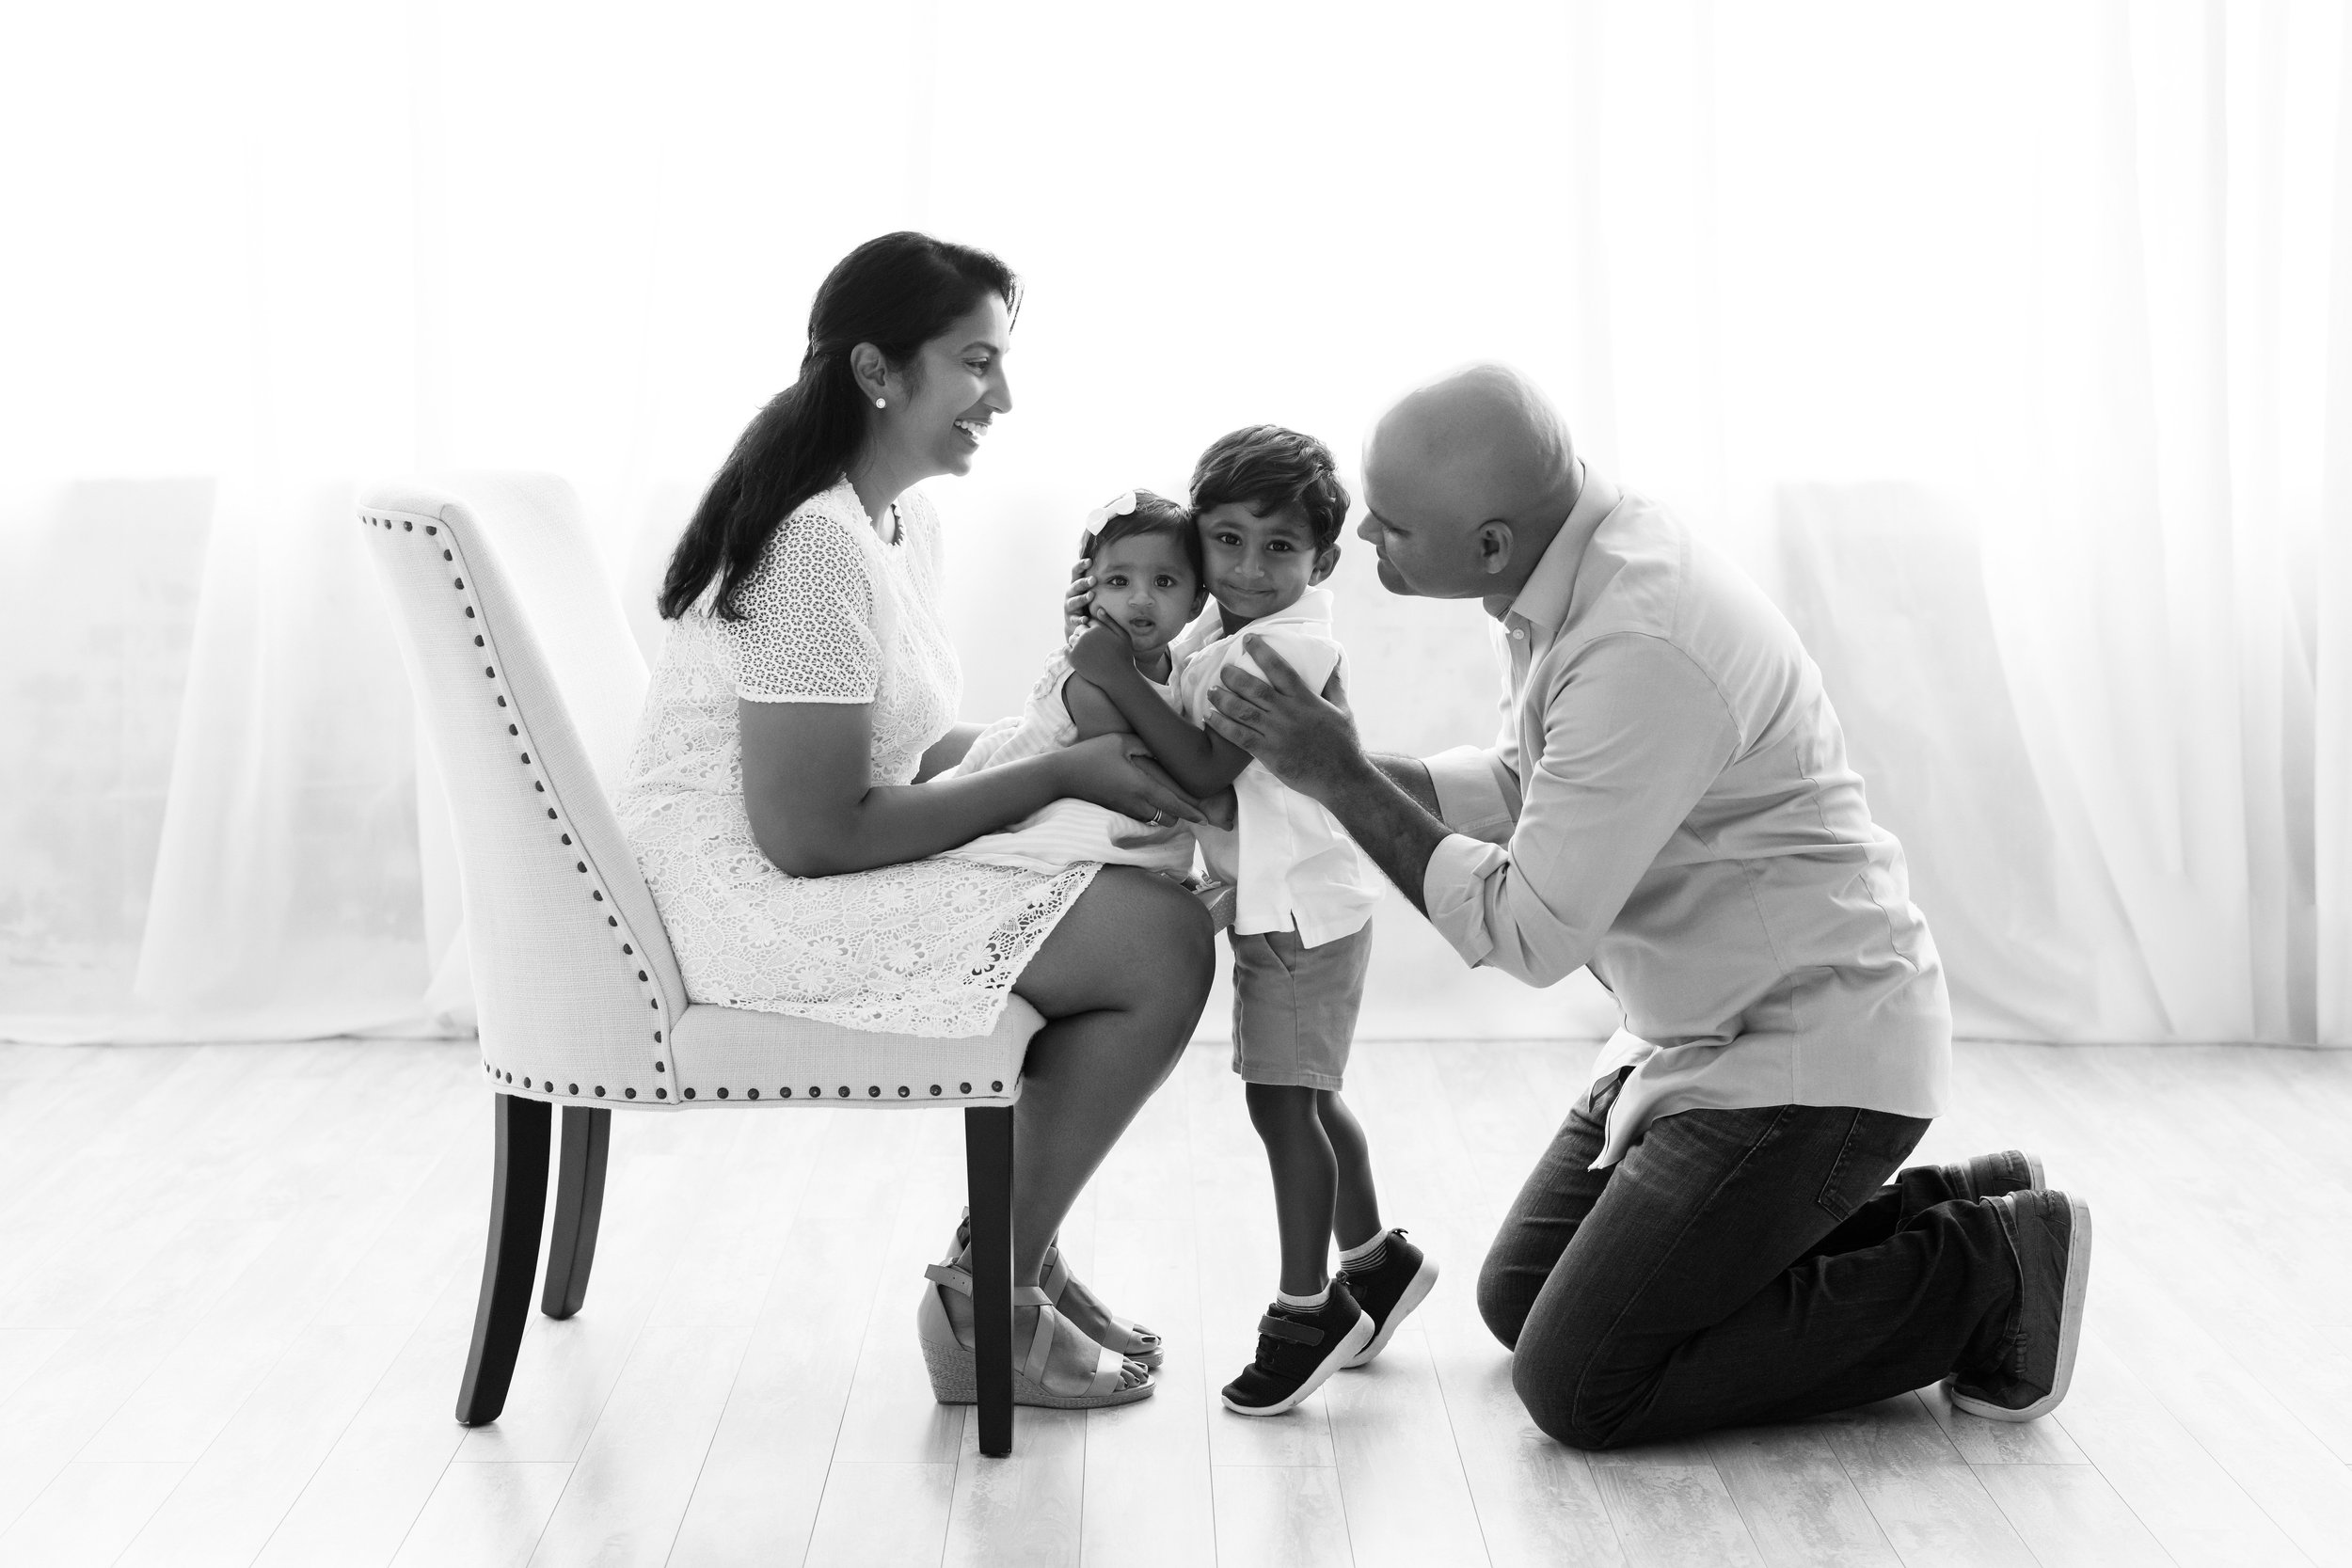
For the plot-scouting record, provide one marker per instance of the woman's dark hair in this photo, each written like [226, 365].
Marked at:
[1268, 468]
[896, 292]
[1155, 513]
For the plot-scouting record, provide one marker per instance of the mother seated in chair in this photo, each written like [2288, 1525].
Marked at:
[788, 795]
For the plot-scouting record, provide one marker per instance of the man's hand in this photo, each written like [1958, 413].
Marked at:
[1104, 651]
[1305, 739]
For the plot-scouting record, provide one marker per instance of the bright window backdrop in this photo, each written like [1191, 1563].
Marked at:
[2009, 346]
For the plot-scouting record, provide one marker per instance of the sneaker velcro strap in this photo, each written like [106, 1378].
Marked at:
[1291, 1329]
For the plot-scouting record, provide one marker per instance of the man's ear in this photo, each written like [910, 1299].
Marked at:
[870, 370]
[1494, 547]
[1325, 559]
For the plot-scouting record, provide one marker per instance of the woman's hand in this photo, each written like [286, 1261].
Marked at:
[1104, 651]
[1115, 771]
[1080, 598]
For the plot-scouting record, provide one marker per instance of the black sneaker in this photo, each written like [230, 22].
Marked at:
[1389, 1292]
[2012, 1171]
[1296, 1354]
[2052, 1234]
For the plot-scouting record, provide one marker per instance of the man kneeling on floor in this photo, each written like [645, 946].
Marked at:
[1719, 1234]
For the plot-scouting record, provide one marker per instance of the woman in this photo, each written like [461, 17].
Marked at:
[787, 797]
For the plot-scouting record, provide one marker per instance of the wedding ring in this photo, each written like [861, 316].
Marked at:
[1159, 820]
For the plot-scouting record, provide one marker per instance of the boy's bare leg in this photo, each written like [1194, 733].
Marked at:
[1306, 1179]
[1355, 1213]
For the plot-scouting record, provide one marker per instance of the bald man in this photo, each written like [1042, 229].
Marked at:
[1719, 1233]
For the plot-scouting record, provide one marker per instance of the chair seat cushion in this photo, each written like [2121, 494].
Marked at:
[732, 1055]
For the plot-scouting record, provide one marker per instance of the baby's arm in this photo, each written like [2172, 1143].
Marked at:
[1091, 711]
[1095, 714]
[1200, 761]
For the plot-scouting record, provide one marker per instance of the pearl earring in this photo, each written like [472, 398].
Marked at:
[881, 403]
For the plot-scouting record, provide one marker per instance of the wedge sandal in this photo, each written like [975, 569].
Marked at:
[1053, 1278]
[954, 1365]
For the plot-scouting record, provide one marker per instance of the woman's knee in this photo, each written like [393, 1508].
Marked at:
[1181, 943]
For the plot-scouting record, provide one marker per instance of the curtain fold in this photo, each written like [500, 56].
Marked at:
[2012, 351]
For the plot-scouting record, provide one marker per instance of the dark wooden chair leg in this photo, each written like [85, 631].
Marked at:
[988, 1181]
[579, 1202]
[519, 1201]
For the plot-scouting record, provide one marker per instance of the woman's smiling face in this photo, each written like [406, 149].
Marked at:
[1145, 583]
[1259, 566]
[953, 387]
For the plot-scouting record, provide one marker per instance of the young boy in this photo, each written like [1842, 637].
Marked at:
[1269, 510]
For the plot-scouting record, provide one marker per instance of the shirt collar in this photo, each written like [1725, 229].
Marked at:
[1313, 608]
[1543, 600]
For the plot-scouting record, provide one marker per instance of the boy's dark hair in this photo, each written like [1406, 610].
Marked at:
[1155, 513]
[1268, 468]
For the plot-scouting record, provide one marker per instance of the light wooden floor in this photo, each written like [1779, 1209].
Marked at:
[235, 1284]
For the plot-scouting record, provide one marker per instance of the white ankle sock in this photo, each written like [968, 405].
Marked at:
[1351, 1256]
[1304, 1304]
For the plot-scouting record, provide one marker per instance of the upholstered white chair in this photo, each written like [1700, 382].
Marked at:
[530, 687]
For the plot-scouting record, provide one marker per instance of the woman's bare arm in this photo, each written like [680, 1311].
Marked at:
[815, 811]
[946, 751]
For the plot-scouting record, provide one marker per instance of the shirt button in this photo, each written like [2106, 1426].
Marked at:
[1519, 634]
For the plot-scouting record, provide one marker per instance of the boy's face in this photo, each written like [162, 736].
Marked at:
[1145, 583]
[1259, 566]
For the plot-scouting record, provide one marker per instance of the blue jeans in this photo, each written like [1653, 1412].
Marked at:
[1738, 1267]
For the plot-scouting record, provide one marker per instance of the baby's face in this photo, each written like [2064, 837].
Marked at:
[1260, 567]
[1146, 584]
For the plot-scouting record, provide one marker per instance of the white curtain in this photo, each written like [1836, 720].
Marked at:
[2009, 347]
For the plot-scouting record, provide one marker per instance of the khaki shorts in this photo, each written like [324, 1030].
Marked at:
[1295, 1007]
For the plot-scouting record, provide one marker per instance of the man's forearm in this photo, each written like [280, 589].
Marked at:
[1409, 774]
[1384, 813]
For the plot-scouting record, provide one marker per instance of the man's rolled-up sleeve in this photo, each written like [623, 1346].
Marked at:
[1477, 794]
[1634, 734]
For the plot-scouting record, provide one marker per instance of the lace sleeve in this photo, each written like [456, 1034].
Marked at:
[807, 632]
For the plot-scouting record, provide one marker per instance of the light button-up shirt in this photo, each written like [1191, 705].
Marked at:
[1293, 866]
[1669, 804]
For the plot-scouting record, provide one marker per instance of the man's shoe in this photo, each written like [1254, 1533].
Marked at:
[2052, 1234]
[1389, 1292]
[1296, 1354]
[2012, 1171]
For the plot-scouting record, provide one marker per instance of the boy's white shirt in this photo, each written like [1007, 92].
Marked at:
[1291, 862]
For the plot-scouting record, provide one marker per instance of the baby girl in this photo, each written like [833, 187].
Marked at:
[1144, 555]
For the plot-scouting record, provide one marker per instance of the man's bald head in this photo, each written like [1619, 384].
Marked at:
[1478, 447]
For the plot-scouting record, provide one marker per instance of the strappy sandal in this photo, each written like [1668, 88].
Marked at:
[954, 1364]
[1053, 1277]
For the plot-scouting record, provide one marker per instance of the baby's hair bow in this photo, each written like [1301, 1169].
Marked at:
[1117, 506]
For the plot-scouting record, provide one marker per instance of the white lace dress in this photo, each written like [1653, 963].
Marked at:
[832, 614]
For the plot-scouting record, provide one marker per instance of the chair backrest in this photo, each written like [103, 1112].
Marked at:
[530, 683]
